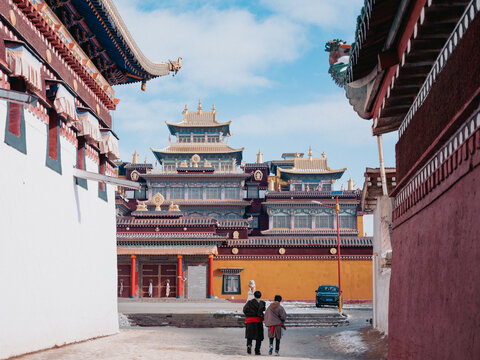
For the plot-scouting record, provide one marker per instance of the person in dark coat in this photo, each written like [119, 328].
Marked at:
[253, 311]
[275, 317]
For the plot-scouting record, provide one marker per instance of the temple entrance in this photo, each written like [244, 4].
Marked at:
[163, 280]
[197, 282]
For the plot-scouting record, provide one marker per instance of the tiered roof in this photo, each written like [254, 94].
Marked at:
[200, 121]
[310, 166]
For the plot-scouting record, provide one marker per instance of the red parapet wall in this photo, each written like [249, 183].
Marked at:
[455, 95]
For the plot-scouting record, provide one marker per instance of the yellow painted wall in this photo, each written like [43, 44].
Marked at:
[297, 279]
[360, 225]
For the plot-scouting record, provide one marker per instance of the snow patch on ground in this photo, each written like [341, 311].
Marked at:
[123, 321]
[349, 342]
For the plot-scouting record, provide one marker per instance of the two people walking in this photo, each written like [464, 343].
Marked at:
[274, 318]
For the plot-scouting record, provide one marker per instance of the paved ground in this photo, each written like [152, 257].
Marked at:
[346, 342]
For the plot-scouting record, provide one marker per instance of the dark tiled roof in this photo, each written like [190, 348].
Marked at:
[165, 235]
[190, 221]
[346, 194]
[233, 223]
[260, 241]
[310, 232]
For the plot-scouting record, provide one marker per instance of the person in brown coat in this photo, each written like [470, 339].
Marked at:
[253, 311]
[275, 317]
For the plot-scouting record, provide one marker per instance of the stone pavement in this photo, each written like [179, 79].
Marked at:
[355, 341]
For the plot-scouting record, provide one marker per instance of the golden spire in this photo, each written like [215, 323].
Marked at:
[213, 108]
[135, 158]
[310, 155]
[199, 106]
[145, 159]
[324, 155]
[350, 184]
[259, 157]
[185, 111]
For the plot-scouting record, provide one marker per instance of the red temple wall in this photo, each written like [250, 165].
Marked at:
[455, 94]
[434, 293]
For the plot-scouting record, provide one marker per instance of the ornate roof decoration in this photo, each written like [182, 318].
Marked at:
[311, 165]
[99, 29]
[198, 148]
[199, 119]
[394, 53]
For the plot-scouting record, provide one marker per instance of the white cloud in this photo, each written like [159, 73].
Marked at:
[321, 13]
[222, 49]
[328, 117]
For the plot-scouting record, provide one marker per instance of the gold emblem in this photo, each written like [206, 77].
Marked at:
[235, 234]
[158, 200]
[281, 251]
[333, 251]
[157, 229]
[258, 175]
[134, 175]
[234, 251]
[75, 85]
[127, 228]
[195, 160]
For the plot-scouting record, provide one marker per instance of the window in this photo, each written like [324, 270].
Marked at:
[214, 193]
[160, 190]
[281, 222]
[177, 193]
[169, 167]
[297, 187]
[311, 187]
[231, 193]
[231, 284]
[255, 222]
[141, 194]
[252, 192]
[302, 222]
[227, 166]
[327, 187]
[324, 221]
[81, 161]
[195, 193]
[232, 216]
[348, 222]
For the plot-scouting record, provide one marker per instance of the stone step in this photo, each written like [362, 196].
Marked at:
[230, 320]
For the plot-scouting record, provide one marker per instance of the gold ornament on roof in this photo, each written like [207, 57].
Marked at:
[310, 155]
[158, 200]
[258, 175]
[199, 106]
[281, 251]
[141, 206]
[135, 158]
[195, 160]
[173, 207]
[234, 251]
[236, 234]
[324, 155]
[213, 108]
[185, 111]
[207, 163]
[259, 157]
[134, 175]
[183, 163]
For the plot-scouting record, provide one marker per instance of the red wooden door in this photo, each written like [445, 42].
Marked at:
[123, 280]
[169, 274]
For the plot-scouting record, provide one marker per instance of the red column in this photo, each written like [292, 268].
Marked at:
[210, 276]
[179, 277]
[133, 279]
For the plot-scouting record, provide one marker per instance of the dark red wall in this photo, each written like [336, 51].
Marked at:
[457, 86]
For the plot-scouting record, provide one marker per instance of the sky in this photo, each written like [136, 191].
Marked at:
[263, 64]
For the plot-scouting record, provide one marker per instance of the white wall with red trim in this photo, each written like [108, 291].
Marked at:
[57, 247]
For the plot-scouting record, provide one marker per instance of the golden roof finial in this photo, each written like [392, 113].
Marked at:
[135, 158]
[324, 155]
[185, 111]
[297, 154]
[310, 155]
[259, 157]
[213, 108]
[145, 159]
[199, 105]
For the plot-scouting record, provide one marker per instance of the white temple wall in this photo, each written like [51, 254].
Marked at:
[57, 246]
[381, 275]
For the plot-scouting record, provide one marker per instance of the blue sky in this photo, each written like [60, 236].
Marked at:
[262, 63]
